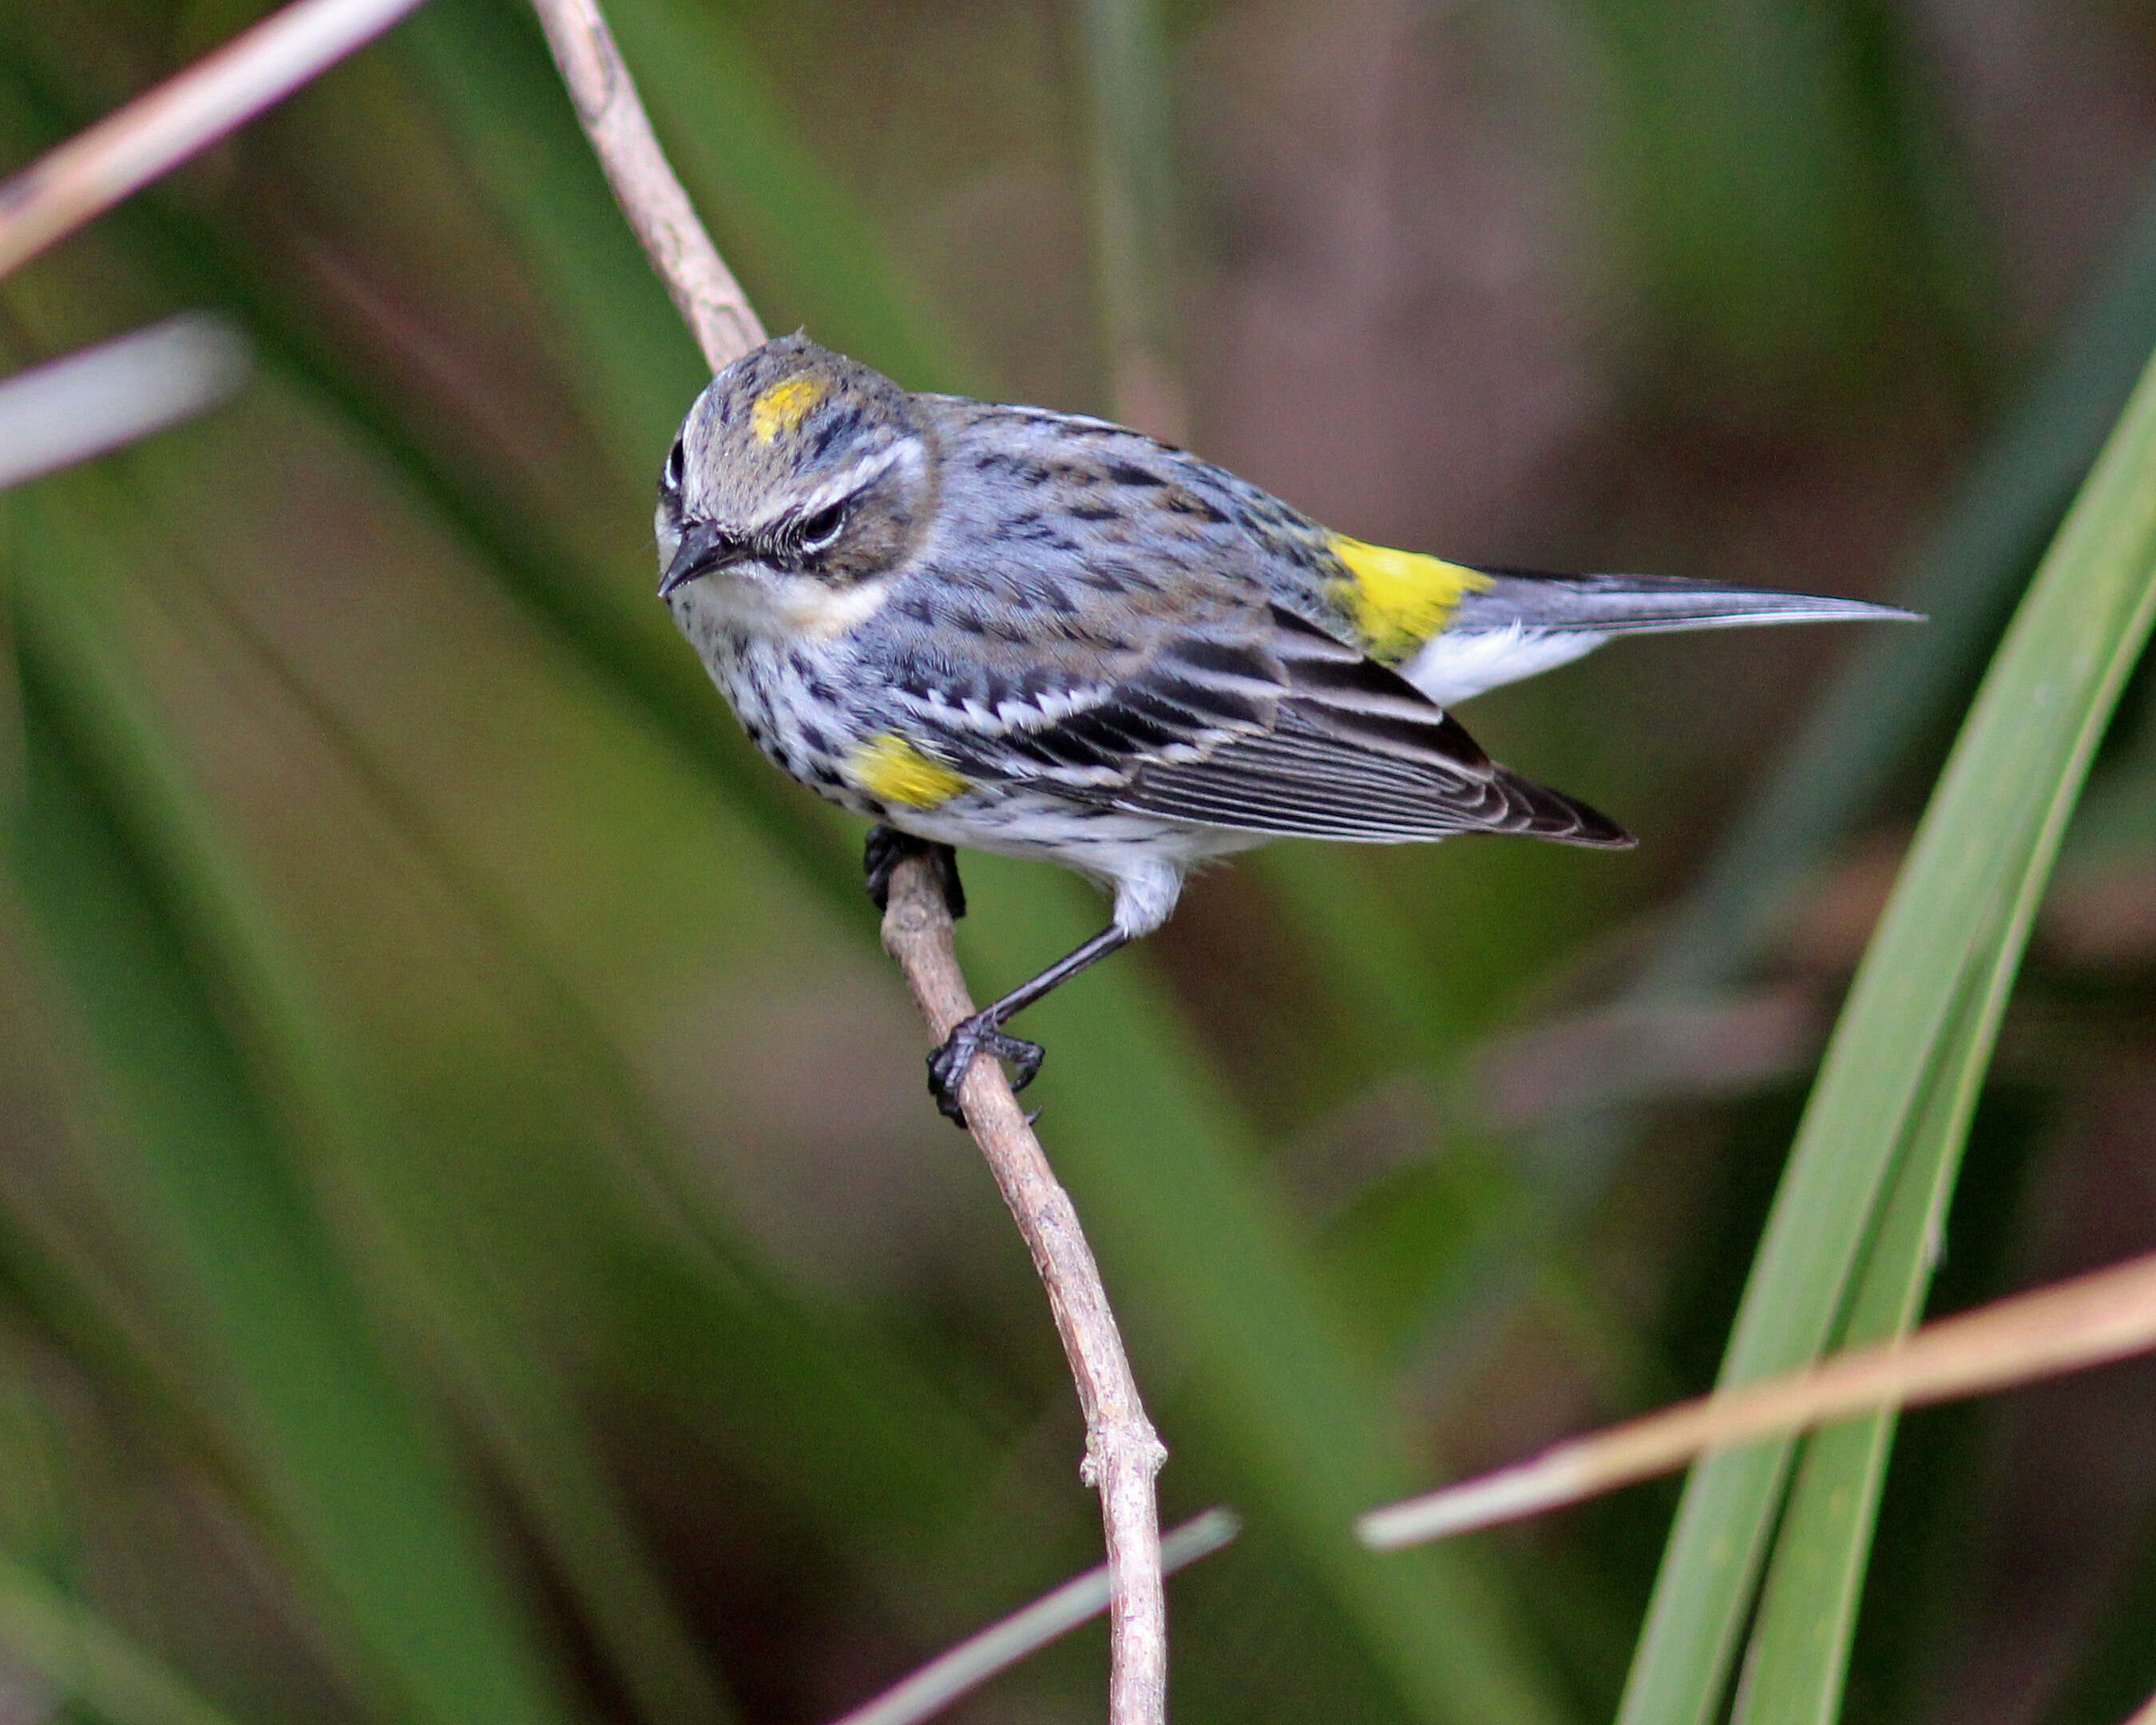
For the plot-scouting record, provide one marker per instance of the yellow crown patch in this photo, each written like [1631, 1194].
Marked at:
[784, 405]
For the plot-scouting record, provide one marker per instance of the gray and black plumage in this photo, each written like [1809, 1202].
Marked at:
[1045, 635]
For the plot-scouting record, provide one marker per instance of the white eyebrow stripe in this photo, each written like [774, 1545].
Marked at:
[837, 490]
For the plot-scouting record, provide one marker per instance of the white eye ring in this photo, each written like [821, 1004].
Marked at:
[820, 530]
[674, 466]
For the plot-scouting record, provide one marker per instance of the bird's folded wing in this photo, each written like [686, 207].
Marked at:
[1356, 752]
[1090, 736]
[1292, 732]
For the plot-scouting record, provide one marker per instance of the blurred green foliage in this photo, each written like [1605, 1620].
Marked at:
[472, 1242]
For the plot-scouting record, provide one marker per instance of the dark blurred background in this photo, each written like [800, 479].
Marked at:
[473, 1241]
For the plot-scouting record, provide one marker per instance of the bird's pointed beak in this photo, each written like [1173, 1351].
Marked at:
[704, 547]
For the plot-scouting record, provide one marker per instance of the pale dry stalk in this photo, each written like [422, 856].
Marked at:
[960, 1670]
[704, 290]
[2105, 1315]
[1122, 1453]
[158, 130]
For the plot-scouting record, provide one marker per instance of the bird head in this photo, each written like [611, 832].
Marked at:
[798, 473]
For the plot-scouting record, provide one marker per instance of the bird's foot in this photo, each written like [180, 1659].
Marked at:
[888, 847]
[978, 1035]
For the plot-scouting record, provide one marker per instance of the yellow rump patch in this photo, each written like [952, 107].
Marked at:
[1398, 598]
[892, 770]
[784, 405]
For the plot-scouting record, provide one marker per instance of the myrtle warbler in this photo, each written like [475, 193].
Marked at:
[1045, 635]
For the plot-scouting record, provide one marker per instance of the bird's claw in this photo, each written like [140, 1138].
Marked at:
[949, 1065]
[888, 847]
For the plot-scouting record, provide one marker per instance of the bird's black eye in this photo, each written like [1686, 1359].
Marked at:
[820, 530]
[674, 466]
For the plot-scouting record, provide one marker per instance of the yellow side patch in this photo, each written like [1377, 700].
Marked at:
[784, 405]
[1398, 598]
[892, 770]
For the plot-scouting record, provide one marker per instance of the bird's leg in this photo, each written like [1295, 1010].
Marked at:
[984, 1031]
[888, 847]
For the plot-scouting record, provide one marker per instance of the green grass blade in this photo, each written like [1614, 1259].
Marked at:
[1798, 1656]
[1800, 1643]
[1898, 681]
[1953, 934]
[1890, 694]
[514, 1395]
[381, 1531]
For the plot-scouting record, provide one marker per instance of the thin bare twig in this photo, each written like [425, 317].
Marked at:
[155, 132]
[2088, 1320]
[1122, 1454]
[997, 1648]
[705, 292]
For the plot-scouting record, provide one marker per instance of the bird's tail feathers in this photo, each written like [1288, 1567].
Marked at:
[1640, 604]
